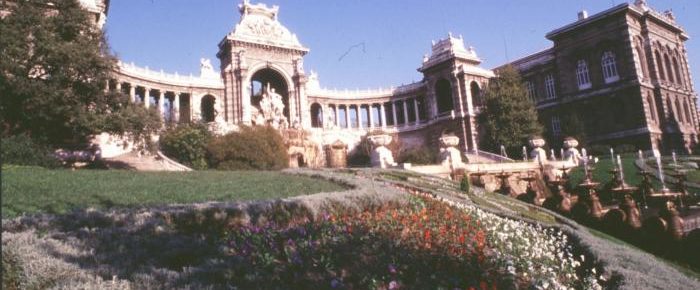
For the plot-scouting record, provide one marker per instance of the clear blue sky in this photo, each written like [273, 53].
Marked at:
[174, 34]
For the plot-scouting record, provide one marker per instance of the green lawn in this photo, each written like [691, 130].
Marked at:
[601, 173]
[35, 189]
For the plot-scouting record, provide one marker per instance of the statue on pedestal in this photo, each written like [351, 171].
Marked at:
[271, 110]
[538, 154]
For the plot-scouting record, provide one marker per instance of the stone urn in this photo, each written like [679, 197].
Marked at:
[449, 141]
[381, 156]
[449, 154]
[538, 154]
[380, 140]
[571, 153]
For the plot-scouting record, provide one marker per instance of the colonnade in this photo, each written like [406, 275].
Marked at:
[167, 102]
[397, 113]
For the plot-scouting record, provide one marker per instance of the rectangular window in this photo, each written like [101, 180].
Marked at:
[549, 86]
[584, 81]
[531, 92]
[556, 126]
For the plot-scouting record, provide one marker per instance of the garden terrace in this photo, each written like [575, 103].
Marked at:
[393, 224]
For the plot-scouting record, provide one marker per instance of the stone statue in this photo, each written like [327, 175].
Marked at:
[206, 70]
[271, 110]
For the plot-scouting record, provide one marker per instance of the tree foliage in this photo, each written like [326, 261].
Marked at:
[509, 117]
[187, 143]
[54, 68]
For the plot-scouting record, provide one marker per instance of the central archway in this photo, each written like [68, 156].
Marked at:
[260, 80]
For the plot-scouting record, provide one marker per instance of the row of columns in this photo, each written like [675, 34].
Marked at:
[160, 95]
[370, 112]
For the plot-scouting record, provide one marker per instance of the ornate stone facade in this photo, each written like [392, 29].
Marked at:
[603, 68]
[261, 59]
[623, 73]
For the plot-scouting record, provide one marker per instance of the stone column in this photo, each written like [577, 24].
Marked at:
[359, 116]
[337, 116]
[382, 115]
[405, 112]
[415, 106]
[147, 97]
[161, 98]
[393, 111]
[347, 117]
[119, 87]
[132, 93]
[370, 111]
[176, 108]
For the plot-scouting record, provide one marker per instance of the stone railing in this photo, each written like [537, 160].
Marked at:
[168, 78]
[365, 94]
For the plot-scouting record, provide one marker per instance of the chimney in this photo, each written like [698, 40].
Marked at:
[583, 14]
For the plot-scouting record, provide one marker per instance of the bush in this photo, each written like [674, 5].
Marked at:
[464, 184]
[187, 143]
[420, 155]
[22, 150]
[257, 147]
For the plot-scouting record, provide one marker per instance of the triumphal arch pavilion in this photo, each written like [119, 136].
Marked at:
[262, 81]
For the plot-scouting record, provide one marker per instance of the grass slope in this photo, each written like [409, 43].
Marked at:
[34, 189]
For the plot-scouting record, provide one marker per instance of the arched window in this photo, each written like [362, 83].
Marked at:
[669, 71]
[207, 108]
[677, 70]
[609, 67]
[679, 111]
[443, 95]
[652, 107]
[316, 116]
[549, 87]
[476, 94]
[686, 109]
[642, 58]
[660, 66]
[584, 82]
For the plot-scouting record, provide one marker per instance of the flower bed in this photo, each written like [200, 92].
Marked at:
[426, 245]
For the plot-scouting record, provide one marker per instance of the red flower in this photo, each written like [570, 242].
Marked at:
[427, 235]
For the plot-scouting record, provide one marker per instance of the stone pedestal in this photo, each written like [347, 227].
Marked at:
[449, 154]
[336, 154]
[381, 156]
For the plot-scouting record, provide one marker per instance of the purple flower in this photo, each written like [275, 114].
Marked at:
[393, 285]
[392, 269]
[335, 283]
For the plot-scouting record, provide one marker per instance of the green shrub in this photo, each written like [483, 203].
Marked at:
[22, 150]
[187, 143]
[257, 147]
[420, 155]
[464, 184]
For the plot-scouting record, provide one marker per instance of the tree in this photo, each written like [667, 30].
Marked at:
[54, 68]
[509, 117]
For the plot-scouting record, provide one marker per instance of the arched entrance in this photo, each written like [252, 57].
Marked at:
[443, 95]
[259, 83]
[207, 108]
[316, 116]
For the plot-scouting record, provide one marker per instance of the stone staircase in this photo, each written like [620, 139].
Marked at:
[144, 162]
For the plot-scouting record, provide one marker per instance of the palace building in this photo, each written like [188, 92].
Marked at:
[621, 74]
